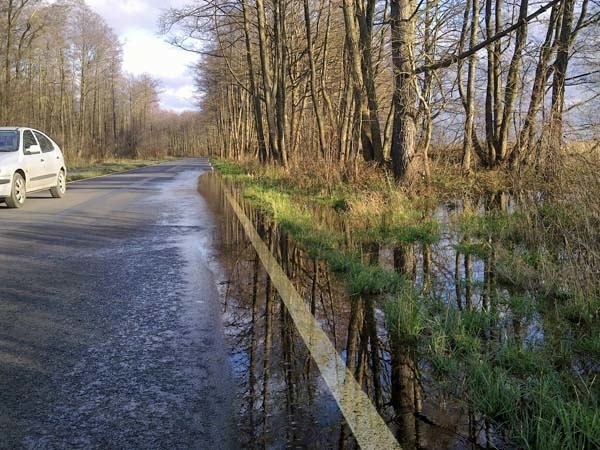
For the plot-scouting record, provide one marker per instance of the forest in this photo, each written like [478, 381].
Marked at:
[488, 83]
[483, 83]
[61, 72]
[439, 159]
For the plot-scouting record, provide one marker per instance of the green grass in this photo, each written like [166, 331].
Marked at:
[404, 232]
[477, 248]
[485, 225]
[493, 392]
[294, 210]
[405, 318]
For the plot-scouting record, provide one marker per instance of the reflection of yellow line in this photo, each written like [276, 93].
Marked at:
[366, 424]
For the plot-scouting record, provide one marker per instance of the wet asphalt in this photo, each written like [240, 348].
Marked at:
[110, 322]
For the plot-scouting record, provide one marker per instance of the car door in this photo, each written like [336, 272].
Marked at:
[33, 161]
[51, 160]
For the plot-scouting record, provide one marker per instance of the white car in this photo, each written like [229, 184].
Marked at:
[29, 162]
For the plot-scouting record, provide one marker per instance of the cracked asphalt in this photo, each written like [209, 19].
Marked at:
[110, 321]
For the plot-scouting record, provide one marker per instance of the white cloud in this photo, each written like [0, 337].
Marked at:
[179, 99]
[136, 23]
[145, 52]
[124, 14]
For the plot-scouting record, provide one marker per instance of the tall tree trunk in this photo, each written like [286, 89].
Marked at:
[370, 118]
[324, 73]
[267, 78]
[257, 108]
[512, 81]
[492, 86]
[523, 150]
[355, 66]
[469, 100]
[13, 10]
[403, 17]
[498, 106]
[313, 81]
[280, 73]
[560, 65]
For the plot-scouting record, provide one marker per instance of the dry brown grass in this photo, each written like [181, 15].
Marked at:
[561, 221]
[588, 149]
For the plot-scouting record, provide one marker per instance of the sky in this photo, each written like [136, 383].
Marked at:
[144, 51]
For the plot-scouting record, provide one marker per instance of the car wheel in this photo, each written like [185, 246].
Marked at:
[18, 193]
[59, 190]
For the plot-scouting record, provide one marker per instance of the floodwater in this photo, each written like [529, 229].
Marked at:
[285, 402]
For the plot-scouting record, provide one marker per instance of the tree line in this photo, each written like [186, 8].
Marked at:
[498, 82]
[61, 71]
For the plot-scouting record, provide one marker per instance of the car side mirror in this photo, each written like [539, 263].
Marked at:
[33, 150]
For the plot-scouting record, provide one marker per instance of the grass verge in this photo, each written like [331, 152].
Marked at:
[90, 169]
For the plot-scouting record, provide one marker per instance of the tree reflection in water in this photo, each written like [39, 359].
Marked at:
[285, 403]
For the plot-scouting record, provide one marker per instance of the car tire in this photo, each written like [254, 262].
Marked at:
[18, 192]
[60, 189]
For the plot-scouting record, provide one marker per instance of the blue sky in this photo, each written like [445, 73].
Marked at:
[144, 51]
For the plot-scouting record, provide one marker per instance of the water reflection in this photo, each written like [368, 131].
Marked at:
[285, 403]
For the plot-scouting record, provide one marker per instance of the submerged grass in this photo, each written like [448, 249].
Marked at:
[521, 390]
[540, 388]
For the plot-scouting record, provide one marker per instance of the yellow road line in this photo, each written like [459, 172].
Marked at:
[368, 427]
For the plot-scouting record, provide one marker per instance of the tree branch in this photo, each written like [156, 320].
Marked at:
[455, 58]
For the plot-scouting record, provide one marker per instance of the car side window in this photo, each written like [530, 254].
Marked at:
[45, 143]
[28, 139]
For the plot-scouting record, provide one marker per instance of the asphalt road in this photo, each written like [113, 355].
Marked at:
[110, 324]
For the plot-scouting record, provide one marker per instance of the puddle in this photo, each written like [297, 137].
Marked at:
[286, 401]
[293, 400]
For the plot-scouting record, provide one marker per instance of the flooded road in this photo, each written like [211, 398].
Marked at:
[110, 323]
[138, 313]
[286, 401]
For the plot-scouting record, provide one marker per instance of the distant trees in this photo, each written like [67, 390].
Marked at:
[336, 80]
[60, 71]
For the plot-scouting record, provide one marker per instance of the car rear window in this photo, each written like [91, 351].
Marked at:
[45, 143]
[9, 141]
